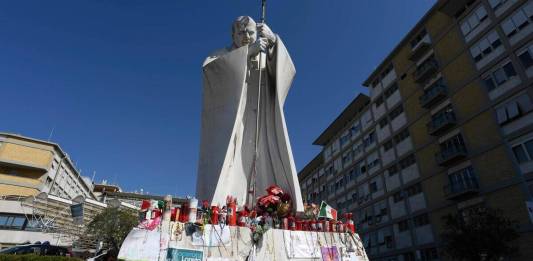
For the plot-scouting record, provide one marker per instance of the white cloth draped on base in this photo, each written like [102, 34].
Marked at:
[229, 111]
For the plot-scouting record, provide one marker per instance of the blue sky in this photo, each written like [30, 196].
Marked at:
[119, 81]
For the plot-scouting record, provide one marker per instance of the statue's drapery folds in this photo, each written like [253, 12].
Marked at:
[228, 133]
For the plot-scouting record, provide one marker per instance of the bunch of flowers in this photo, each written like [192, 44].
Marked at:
[276, 204]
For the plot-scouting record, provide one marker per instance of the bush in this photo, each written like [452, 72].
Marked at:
[36, 258]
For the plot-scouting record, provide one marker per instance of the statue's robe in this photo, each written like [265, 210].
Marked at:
[230, 86]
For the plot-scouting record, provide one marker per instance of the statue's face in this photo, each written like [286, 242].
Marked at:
[245, 34]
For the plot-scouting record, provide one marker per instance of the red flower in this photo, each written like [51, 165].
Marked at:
[205, 204]
[274, 190]
[286, 198]
[268, 200]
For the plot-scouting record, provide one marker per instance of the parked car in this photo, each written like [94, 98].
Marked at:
[44, 249]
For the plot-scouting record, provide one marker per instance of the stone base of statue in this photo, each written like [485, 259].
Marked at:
[217, 242]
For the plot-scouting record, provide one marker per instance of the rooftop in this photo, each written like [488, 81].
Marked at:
[314, 163]
[448, 7]
[356, 106]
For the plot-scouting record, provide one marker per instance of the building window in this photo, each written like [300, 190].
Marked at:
[409, 256]
[346, 138]
[473, 21]
[421, 220]
[523, 152]
[355, 128]
[453, 143]
[346, 158]
[403, 225]
[379, 101]
[428, 254]
[514, 109]
[387, 71]
[418, 38]
[354, 173]
[375, 83]
[414, 190]
[388, 92]
[383, 122]
[393, 170]
[407, 161]
[499, 76]
[397, 197]
[526, 57]
[485, 46]
[396, 112]
[373, 163]
[363, 168]
[387, 145]
[12, 222]
[369, 139]
[373, 187]
[463, 178]
[401, 136]
[518, 21]
[497, 4]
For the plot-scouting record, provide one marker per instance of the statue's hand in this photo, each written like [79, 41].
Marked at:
[265, 32]
[260, 45]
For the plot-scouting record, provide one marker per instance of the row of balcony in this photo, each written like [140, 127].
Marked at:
[433, 95]
[425, 70]
[451, 154]
[461, 188]
[441, 122]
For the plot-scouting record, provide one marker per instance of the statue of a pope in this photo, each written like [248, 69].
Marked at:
[230, 115]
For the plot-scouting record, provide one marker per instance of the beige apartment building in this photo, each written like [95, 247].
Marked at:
[447, 127]
[38, 184]
[29, 166]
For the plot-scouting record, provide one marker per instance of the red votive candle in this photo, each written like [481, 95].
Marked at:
[214, 215]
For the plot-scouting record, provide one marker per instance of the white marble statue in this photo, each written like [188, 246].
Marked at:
[229, 118]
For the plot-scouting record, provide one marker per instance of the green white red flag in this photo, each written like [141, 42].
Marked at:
[326, 211]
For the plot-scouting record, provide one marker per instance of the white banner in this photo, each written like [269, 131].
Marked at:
[300, 244]
[213, 236]
[141, 245]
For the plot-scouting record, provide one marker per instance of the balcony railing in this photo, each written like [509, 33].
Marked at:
[433, 95]
[461, 188]
[419, 50]
[450, 154]
[425, 70]
[441, 123]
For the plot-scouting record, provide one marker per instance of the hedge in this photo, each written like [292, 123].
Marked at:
[36, 258]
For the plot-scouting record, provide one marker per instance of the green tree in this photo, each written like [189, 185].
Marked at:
[480, 234]
[112, 226]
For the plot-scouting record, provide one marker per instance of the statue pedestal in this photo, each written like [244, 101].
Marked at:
[235, 243]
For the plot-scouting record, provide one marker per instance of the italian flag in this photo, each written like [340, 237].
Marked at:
[326, 211]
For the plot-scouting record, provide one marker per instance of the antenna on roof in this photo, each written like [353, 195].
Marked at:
[94, 174]
[51, 133]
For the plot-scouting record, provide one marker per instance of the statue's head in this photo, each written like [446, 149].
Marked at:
[244, 31]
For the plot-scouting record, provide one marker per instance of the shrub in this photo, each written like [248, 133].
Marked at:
[36, 258]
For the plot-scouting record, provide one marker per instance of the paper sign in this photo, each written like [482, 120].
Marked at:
[329, 253]
[213, 235]
[301, 244]
[179, 254]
